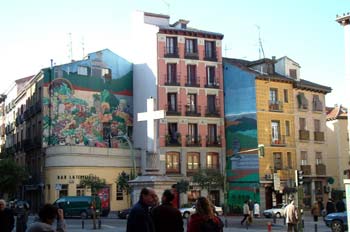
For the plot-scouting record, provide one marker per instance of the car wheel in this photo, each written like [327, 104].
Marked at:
[278, 215]
[337, 226]
[186, 214]
[83, 215]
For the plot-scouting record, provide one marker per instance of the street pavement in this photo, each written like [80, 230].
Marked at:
[114, 224]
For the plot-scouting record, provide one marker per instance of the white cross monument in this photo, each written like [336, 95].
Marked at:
[150, 116]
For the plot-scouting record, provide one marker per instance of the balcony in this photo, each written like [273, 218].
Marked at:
[212, 85]
[193, 55]
[172, 110]
[192, 81]
[193, 110]
[317, 106]
[212, 111]
[213, 141]
[304, 135]
[279, 142]
[173, 140]
[318, 136]
[306, 169]
[171, 52]
[275, 106]
[210, 56]
[320, 169]
[172, 80]
[193, 140]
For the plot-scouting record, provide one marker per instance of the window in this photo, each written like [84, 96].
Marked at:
[287, 128]
[302, 124]
[302, 101]
[101, 72]
[82, 70]
[210, 49]
[211, 103]
[285, 94]
[173, 135]
[212, 136]
[293, 73]
[289, 160]
[171, 73]
[172, 102]
[316, 103]
[275, 131]
[191, 75]
[190, 46]
[303, 157]
[192, 162]
[212, 160]
[192, 133]
[317, 125]
[171, 45]
[63, 192]
[80, 190]
[173, 162]
[277, 160]
[119, 192]
[318, 158]
[211, 76]
[273, 96]
[192, 103]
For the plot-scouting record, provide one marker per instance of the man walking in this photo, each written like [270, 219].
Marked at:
[291, 213]
[139, 219]
[166, 217]
[7, 220]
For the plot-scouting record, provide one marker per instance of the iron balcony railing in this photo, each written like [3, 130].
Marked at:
[304, 135]
[276, 106]
[171, 52]
[173, 110]
[193, 110]
[193, 140]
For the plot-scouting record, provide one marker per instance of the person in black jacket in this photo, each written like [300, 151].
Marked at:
[7, 219]
[330, 207]
[166, 217]
[340, 206]
[139, 219]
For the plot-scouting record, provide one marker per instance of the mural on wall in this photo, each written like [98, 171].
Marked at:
[88, 102]
[241, 134]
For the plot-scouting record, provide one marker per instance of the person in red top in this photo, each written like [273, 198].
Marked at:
[204, 214]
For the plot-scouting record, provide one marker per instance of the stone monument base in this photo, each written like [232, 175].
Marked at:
[157, 182]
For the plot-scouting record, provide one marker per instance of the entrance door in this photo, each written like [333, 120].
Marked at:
[215, 197]
[268, 197]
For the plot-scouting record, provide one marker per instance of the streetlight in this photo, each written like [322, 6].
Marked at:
[131, 148]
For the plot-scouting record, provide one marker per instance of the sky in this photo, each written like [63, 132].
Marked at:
[33, 32]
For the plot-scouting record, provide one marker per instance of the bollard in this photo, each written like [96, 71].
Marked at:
[82, 223]
[226, 222]
[99, 223]
[269, 227]
[274, 218]
[315, 227]
[302, 223]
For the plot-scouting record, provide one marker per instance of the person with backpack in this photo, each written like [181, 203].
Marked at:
[204, 219]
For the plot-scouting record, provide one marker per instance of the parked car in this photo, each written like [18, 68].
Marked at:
[277, 211]
[78, 205]
[338, 222]
[186, 212]
[124, 214]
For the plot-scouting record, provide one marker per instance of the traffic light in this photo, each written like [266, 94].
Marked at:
[299, 178]
[261, 150]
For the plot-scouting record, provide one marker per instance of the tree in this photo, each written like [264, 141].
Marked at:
[11, 176]
[94, 183]
[122, 182]
[209, 179]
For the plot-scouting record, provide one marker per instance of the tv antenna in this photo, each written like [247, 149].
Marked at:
[261, 49]
[226, 49]
[168, 6]
[70, 47]
[83, 46]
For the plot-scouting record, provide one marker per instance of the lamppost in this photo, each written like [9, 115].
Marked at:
[131, 148]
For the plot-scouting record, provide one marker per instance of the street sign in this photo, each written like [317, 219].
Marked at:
[276, 182]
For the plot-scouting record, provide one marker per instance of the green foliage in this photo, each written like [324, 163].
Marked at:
[209, 179]
[182, 186]
[123, 182]
[11, 176]
[94, 183]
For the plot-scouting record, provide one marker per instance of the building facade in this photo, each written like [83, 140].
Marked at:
[310, 130]
[72, 121]
[337, 146]
[258, 111]
[181, 68]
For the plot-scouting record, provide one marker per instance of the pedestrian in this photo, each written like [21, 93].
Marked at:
[22, 211]
[139, 219]
[340, 206]
[47, 216]
[203, 219]
[7, 219]
[166, 217]
[246, 211]
[291, 213]
[330, 207]
[315, 211]
[256, 210]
